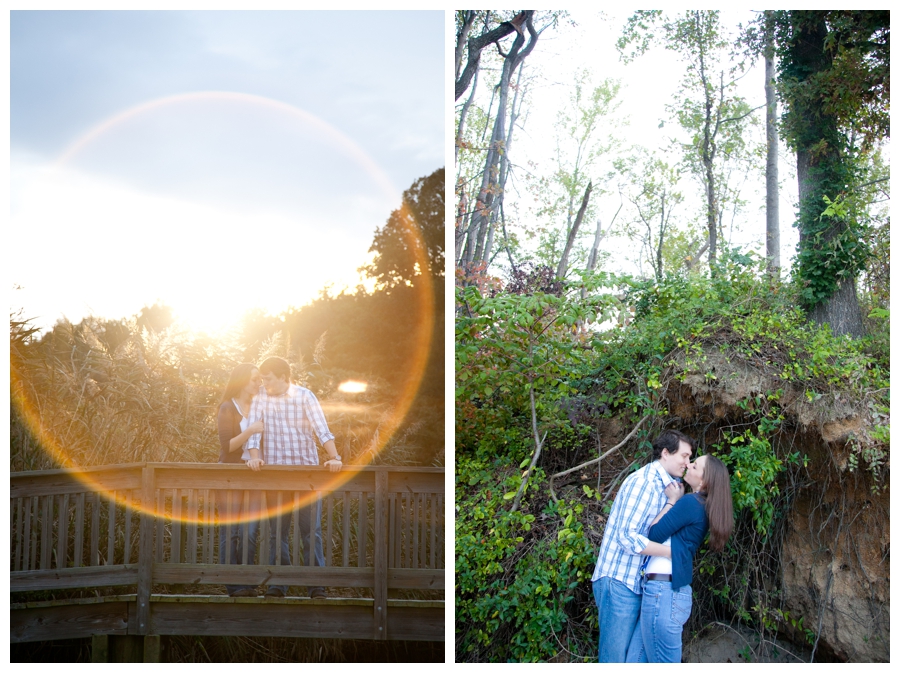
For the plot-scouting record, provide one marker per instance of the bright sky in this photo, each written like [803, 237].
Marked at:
[214, 161]
[648, 85]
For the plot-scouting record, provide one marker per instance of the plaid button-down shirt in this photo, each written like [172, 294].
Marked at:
[290, 421]
[640, 498]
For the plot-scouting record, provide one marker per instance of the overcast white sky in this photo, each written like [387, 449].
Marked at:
[648, 85]
[215, 161]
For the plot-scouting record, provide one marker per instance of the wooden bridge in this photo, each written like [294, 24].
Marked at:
[121, 553]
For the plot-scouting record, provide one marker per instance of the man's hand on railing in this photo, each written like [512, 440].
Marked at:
[334, 465]
[255, 463]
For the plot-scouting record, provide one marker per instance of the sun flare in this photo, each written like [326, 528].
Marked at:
[353, 387]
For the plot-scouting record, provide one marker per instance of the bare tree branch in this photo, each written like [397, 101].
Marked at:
[598, 459]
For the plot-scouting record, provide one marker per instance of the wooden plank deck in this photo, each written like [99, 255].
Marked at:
[289, 617]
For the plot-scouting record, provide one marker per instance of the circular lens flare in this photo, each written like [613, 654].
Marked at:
[24, 392]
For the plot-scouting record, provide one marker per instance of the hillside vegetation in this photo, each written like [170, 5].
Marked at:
[800, 417]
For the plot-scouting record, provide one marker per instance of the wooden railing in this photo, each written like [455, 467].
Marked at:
[154, 524]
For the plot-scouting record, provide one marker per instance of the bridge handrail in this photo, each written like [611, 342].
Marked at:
[400, 507]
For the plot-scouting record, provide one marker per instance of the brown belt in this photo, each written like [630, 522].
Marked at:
[658, 577]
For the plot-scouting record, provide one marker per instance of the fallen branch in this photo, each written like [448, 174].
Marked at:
[595, 460]
[538, 444]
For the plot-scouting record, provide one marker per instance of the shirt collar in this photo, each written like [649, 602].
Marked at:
[287, 393]
[665, 476]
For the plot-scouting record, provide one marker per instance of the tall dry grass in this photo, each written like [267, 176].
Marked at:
[110, 392]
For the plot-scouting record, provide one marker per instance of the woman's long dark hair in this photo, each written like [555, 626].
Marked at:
[719, 509]
[240, 377]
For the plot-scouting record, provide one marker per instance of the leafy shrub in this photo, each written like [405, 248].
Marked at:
[515, 572]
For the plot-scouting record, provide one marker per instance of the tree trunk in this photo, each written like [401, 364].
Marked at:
[462, 216]
[599, 235]
[708, 151]
[662, 235]
[773, 237]
[570, 241]
[462, 37]
[514, 110]
[819, 174]
[462, 118]
[480, 221]
[841, 311]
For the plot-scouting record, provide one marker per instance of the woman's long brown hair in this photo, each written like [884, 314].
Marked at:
[240, 377]
[719, 509]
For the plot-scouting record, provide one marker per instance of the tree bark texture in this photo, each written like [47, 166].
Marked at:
[841, 311]
[462, 117]
[773, 234]
[462, 36]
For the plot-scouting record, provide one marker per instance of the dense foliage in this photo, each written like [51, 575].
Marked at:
[523, 589]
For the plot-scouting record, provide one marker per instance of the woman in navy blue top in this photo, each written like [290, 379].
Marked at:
[684, 522]
[234, 430]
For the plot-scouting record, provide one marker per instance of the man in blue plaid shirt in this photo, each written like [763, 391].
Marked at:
[616, 579]
[291, 416]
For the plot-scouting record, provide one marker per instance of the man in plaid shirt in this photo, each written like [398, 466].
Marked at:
[616, 579]
[291, 415]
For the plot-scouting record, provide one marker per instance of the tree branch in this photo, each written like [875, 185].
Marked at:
[477, 44]
[539, 442]
[595, 460]
[734, 119]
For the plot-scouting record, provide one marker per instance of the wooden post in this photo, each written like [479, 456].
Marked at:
[20, 527]
[79, 530]
[381, 555]
[99, 649]
[111, 530]
[126, 649]
[145, 551]
[95, 530]
[152, 648]
[175, 552]
[309, 545]
[362, 524]
[295, 522]
[328, 538]
[345, 513]
[46, 532]
[129, 496]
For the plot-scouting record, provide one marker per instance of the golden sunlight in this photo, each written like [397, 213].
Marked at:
[353, 387]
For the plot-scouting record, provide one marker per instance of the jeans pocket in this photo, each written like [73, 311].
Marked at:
[681, 605]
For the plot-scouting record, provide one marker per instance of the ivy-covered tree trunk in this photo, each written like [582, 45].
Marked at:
[831, 252]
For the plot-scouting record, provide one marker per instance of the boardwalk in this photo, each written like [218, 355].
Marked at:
[124, 552]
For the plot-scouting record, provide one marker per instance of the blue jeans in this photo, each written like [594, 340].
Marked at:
[283, 544]
[231, 534]
[663, 615]
[619, 608]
